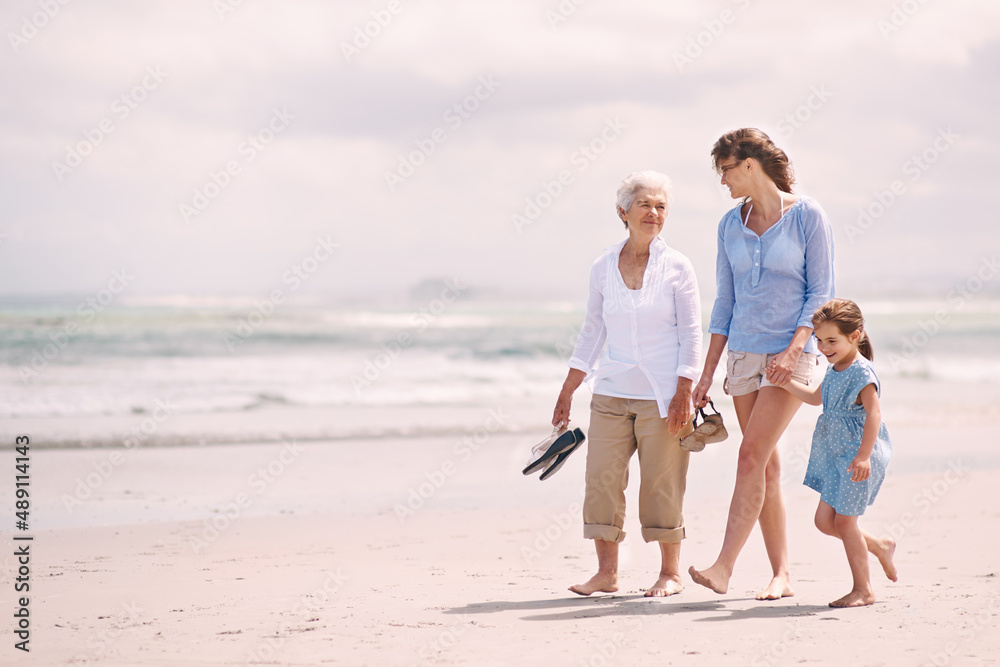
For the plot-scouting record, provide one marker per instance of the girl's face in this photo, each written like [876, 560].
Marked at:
[839, 350]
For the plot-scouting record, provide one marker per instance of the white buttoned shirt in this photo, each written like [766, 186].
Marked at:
[636, 343]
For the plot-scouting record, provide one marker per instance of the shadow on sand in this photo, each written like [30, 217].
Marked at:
[567, 608]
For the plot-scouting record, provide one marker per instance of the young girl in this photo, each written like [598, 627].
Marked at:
[851, 446]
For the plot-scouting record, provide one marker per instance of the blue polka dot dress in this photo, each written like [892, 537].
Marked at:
[837, 440]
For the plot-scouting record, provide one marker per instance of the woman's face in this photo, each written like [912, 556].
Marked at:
[647, 213]
[735, 175]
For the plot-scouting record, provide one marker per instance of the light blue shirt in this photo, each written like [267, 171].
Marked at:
[770, 285]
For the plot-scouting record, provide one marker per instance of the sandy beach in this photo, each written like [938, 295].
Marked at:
[432, 550]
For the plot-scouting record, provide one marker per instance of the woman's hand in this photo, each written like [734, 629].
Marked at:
[561, 414]
[679, 410]
[860, 468]
[780, 370]
[700, 394]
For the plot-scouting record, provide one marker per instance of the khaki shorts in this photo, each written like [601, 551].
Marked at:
[745, 371]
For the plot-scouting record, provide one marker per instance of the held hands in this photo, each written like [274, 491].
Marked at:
[860, 468]
[779, 371]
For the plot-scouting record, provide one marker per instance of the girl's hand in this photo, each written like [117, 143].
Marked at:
[860, 468]
[561, 412]
[700, 394]
[780, 370]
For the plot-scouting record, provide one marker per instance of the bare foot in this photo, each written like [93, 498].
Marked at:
[855, 599]
[710, 578]
[777, 589]
[599, 583]
[667, 584]
[884, 555]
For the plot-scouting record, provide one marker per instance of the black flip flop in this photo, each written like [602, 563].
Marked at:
[560, 445]
[561, 458]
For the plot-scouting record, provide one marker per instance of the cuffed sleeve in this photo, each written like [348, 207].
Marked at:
[687, 305]
[593, 335]
[819, 263]
[725, 294]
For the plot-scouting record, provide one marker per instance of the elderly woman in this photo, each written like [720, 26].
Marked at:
[644, 314]
[773, 270]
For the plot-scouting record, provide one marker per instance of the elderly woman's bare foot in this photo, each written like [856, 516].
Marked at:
[599, 583]
[667, 584]
[884, 552]
[712, 578]
[855, 599]
[777, 589]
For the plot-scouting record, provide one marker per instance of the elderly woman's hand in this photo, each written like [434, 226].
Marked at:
[679, 410]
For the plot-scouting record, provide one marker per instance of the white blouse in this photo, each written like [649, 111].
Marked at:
[653, 334]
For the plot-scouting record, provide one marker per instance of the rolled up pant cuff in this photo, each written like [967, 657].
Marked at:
[594, 531]
[669, 535]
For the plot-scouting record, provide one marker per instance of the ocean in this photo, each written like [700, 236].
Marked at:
[182, 371]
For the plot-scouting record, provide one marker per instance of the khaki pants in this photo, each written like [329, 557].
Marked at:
[619, 427]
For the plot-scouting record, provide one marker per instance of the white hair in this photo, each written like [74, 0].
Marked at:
[643, 180]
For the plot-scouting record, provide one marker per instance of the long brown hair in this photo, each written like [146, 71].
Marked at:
[846, 315]
[751, 142]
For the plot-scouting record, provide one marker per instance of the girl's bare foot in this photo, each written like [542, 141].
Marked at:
[884, 553]
[712, 578]
[599, 583]
[855, 599]
[777, 589]
[667, 584]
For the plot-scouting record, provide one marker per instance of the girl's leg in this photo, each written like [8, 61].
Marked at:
[857, 556]
[883, 548]
[770, 412]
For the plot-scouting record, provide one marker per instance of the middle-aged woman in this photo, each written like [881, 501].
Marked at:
[644, 313]
[774, 269]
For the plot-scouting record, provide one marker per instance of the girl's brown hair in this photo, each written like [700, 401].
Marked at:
[751, 142]
[846, 315]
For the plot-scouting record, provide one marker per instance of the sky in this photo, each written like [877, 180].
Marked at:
[358, 150]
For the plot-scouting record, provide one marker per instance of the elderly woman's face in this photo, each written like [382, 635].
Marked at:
[647, 213]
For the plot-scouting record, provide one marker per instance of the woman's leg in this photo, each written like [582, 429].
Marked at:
[857, 555]
[770, 412]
